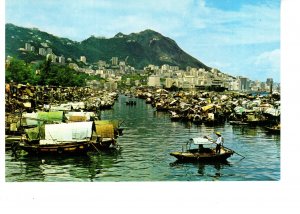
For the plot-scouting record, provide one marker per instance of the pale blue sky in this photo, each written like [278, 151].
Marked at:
[239, 37]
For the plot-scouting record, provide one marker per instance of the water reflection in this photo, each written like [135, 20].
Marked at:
[48, 168]
[244, 130]
[211, 169]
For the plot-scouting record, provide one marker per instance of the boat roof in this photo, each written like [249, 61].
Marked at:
[201, 140]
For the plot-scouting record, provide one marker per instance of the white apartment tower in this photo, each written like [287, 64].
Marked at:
[61, 60]
[114, 60]
[27, 46]
[42, 51]
[83, 59]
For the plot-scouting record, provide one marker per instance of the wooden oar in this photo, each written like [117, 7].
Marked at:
[233, 151]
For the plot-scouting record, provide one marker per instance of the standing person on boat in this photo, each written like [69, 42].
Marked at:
[219, 142]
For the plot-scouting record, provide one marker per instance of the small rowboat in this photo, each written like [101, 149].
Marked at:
[273, 130]
[202, 154]
[237, 122]
[131, 103]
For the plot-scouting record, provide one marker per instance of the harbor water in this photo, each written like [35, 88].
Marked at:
[144, 155]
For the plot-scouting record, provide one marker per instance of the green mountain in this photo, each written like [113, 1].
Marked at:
[139, 49]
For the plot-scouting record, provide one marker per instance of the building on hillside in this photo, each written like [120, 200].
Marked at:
[187, 85]
[99, 72]
[194, 72]
[244, 84]
[200, 81]
[27, 46]
[165, 67]
[263, 86]
[101, 63]
[110, 86]
[174, 68]
[74, 66]
[61, 60]
[96, 84]
[217, 83]
[114, 61]
[169, 82]
[42, 51]
[128, 81]
[154, 81]
[269, 81]
[189, 80]
[51, 57]
[214, 71]
[122, 65]
[152, 67]
[49, 51]
[83, 59]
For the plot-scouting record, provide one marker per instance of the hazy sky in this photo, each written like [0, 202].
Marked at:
[239, 37]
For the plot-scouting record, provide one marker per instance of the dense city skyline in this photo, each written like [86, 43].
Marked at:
[238, 37]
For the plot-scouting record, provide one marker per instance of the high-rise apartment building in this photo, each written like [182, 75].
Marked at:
[83, 59]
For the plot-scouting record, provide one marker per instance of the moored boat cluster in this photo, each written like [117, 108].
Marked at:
[32, 98]
[55, 120]
[212, 108]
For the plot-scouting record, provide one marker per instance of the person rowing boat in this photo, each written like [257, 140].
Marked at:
[219, 141]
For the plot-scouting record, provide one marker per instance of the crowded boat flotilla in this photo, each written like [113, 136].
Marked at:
[204, 127]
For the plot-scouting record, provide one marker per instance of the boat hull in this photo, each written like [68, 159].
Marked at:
[272, 130]
[102, 145]
[193, 156]
[59, 149]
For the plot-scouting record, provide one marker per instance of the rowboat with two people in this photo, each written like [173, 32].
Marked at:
[194, 151]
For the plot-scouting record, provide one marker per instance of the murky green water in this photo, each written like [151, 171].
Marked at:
[148, 139]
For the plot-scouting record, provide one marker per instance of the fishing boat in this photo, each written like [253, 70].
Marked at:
[174, 116]
[273, 129]
[11, 141]
[201, 154]
[57, 139]
[105, 134]
[237, 122]
[56, 147]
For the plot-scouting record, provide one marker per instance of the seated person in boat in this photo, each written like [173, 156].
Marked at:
[200, 148]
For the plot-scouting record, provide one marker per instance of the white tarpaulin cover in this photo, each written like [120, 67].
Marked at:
[68, 131]
[272, 111]
[52, 142]
[77, 105]
[201, 140]
[31, 118]
[61, 107]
